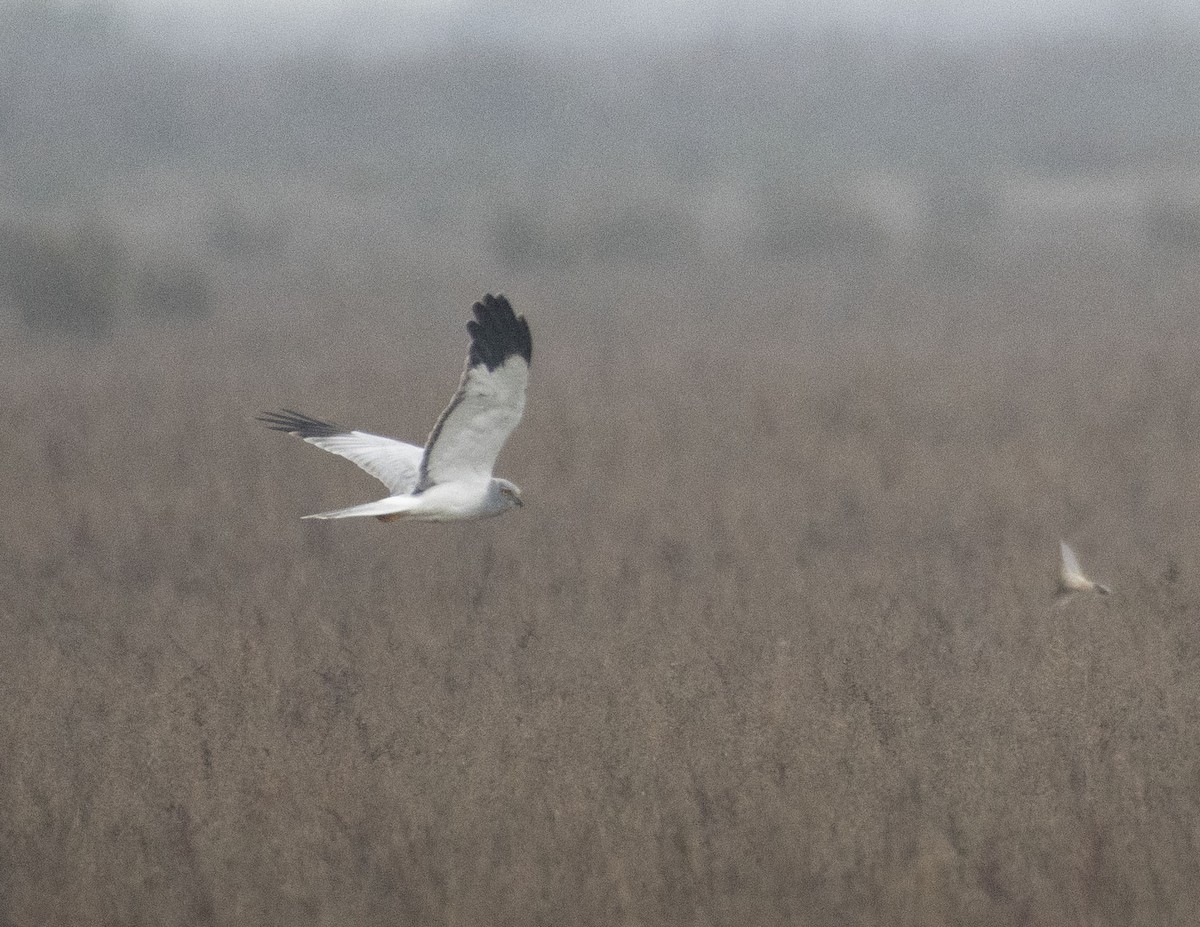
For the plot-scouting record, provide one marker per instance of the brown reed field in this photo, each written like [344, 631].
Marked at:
[773, 640]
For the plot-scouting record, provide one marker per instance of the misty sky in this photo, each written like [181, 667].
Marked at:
[375, 23]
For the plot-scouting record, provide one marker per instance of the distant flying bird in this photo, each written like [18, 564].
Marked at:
[450, 479]
[1070, 575]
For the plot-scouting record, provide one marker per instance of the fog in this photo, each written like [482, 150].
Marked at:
[465, 133]
[365, 25]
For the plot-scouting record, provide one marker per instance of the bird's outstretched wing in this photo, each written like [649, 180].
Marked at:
[1071, 577]
[468, 435]
[1070, 563]
[395, 464]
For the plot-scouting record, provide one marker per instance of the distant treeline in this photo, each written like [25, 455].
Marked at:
[828, 145]
[81, 96]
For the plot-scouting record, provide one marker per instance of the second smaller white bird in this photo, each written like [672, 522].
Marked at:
[1070, 575]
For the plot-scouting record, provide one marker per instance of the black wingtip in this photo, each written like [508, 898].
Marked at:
[498, 333]
[296, 423]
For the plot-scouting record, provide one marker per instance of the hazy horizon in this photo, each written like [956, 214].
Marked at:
[373, 26]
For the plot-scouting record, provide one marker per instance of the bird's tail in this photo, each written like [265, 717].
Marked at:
[392, 505]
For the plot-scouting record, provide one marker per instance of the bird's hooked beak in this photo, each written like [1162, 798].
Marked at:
[517, 499]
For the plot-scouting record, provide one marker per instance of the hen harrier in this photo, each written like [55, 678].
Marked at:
[450, 479]
[1070, 575]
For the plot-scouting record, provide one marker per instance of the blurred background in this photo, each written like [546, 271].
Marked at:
[175, 154]
[844, 314]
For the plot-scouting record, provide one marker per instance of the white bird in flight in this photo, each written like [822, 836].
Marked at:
[450, 479]
[1070, 575]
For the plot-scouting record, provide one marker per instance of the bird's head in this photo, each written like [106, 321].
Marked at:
[509, 493]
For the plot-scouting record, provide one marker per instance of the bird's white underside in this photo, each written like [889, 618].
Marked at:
[444, 502]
